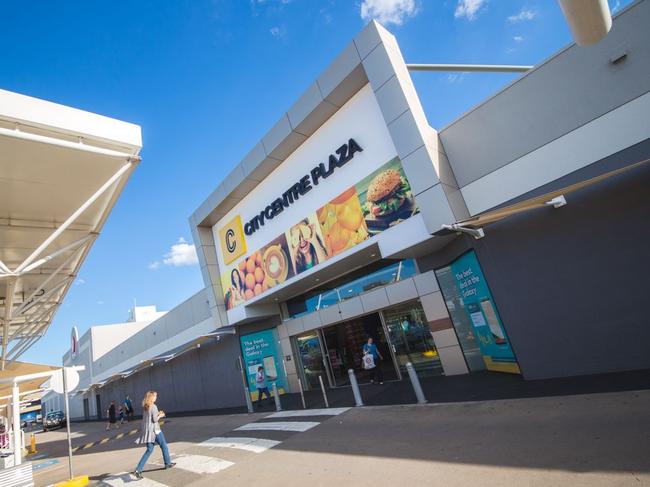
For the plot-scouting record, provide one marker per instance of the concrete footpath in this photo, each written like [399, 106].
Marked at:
[579, 440]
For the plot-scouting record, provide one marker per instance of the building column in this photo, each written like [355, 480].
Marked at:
[15, 413]
[440, 325]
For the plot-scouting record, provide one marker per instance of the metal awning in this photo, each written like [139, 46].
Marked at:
[167, 356]
[61, 172]
[473, 226]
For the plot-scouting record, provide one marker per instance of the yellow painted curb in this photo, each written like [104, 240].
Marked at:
[75, 482]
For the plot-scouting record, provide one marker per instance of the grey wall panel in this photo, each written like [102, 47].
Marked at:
[221, 377]
[568, 283]
[162, 382]
[188, 387]
[569, 90]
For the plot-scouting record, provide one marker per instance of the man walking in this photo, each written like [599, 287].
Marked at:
[261, 385]
[128, 406]
[371, 348]
[112, 416]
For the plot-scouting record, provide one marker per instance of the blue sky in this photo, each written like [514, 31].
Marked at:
[206, 79]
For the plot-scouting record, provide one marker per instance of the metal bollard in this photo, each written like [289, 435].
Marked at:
[249, 402]
[416, 383]
[355, 388]
[322, 387]
[276, 396]
[302, 394]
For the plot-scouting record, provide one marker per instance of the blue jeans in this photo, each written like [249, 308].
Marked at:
[160, 439]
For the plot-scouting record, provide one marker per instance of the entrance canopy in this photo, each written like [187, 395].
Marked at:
[34, 375]
[61, 172]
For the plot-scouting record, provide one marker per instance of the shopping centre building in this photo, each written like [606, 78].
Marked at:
[509, 241]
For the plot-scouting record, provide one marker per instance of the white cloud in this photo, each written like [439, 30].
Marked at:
[455, 77]
[81, 281]
[180, 254]
[277, 31]
[616, 6]
[388, 11]
[524, 15]
[100, 302]
[518, 38]
[468, 9]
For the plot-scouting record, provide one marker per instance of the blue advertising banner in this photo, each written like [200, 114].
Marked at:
[259, 349]
[486, 322]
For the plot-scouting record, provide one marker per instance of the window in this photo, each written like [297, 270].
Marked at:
[349, 287]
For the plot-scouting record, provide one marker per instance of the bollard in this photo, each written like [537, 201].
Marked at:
[32, 444]
[302, 394]
[416, 383]
[322, 387]
[249, 402]
[276, 396]
[355, 388]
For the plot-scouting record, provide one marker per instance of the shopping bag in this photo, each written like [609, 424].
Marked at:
[368, 361]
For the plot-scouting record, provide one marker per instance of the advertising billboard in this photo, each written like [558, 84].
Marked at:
[374, 204]
[474, 314]
[259, 350]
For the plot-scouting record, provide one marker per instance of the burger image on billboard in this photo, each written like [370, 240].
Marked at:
[388, 198]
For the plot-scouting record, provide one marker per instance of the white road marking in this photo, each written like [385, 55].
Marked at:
[309, 412]
[255, 445]
[279, 426]
[124, 478]
[199, 463]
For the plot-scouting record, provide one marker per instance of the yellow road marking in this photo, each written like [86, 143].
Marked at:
[104, 441]
[119, 436]
[87, 445]
[132, 432]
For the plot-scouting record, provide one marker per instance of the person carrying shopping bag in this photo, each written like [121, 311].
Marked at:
[152, 433]
[261, 386]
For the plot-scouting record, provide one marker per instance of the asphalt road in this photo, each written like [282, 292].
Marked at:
[581, 440]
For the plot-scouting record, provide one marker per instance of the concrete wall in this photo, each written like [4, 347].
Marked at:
[186, 321]
[573, 87]
[569, 282]
[576, 108]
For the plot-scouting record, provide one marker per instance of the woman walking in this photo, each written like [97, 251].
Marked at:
[151, 432]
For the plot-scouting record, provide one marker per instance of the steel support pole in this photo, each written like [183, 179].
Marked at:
[67, 419]
[419, 394]
[302, 394]
[276, 397]
[355, 388]
[247, 392]
[470, 68]
[322, 388]
[15, 415]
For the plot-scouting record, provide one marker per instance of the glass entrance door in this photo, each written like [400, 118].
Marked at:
[311, 359]
[344, 348]
[411, 339]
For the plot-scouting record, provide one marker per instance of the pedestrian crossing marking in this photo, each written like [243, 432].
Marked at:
[309, 412]
[199, 464]
[279, 426]
[255, 445]
[124, 479]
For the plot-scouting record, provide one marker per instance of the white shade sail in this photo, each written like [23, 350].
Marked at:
[61, 172]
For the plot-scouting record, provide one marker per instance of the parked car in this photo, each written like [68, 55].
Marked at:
[54, 420]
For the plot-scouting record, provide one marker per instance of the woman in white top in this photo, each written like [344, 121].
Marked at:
[151, 433]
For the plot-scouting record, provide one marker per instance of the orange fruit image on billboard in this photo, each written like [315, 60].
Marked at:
[342, 223]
